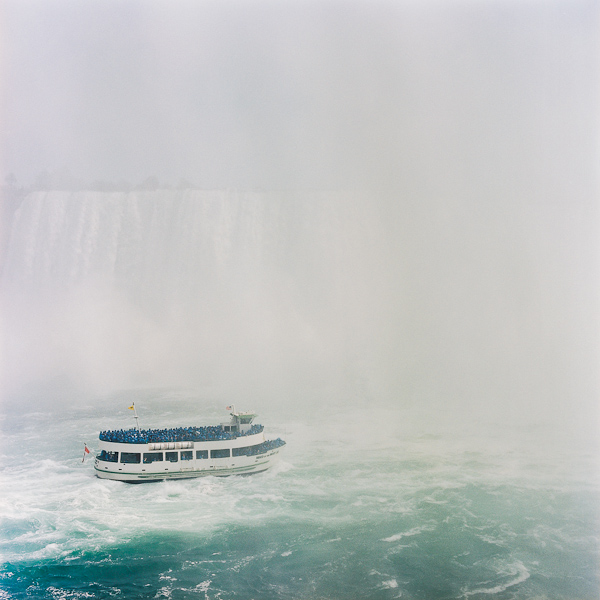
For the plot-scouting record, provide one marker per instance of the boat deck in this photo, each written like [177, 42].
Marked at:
[178, 434]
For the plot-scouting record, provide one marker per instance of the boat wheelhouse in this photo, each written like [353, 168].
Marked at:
[137, 455]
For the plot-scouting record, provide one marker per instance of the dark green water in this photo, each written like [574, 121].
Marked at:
[361, 512]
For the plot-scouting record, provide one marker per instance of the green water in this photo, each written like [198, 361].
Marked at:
[365, 510]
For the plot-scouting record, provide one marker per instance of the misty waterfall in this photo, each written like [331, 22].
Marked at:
[191, 286]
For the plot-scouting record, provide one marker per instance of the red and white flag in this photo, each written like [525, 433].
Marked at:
[86, 450]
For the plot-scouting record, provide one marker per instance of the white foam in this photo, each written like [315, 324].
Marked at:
[266, 497]
[410, 533]
[164, 592]
[62, 594]
[517, 571]
[203, 586]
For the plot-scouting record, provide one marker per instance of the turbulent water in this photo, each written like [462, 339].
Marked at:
[363, 504]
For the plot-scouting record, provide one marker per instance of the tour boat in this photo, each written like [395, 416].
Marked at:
[137, 455]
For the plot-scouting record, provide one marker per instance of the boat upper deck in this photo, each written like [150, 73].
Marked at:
[178, 434]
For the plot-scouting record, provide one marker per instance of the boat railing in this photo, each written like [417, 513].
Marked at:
[177, 434]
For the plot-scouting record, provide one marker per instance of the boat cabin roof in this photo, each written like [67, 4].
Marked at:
[243, 418]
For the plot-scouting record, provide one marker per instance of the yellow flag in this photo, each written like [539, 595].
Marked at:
[132, 407]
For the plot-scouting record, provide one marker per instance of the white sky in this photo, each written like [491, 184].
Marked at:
[312, 94]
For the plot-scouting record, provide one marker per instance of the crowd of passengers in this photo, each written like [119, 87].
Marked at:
[178, 434]
[261, 448]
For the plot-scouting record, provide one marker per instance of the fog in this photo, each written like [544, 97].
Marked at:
[372, 203]
[473, 96]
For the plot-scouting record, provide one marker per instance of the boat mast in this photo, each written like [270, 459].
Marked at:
[135, 416]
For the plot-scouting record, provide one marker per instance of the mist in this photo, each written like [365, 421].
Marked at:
[387, 204]
[426, 97]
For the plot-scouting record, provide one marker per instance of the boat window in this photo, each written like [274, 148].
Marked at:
[171, 456]
[250, 450]
[187, 455]
[130, 457]
[150, 457]
[108, 456]
[201, 453]
[243, 451]
[220, 453]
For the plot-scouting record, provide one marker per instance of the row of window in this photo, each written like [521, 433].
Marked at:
[150, 457]
[183, 455]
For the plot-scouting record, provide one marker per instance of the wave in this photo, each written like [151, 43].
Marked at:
[517, 572]
[410, 533]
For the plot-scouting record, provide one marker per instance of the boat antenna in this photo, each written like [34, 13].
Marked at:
[135, 416]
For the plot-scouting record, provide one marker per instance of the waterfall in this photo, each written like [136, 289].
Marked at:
[221, 288]
[454, 304]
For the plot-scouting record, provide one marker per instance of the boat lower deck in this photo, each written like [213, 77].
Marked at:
[130, 477]
[183, 464]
